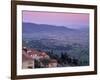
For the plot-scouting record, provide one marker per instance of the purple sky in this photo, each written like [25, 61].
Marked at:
[72, 20]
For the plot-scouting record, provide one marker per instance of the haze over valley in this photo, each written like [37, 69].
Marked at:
[58, 40]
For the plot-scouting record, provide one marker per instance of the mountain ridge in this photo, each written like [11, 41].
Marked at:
[33, 27]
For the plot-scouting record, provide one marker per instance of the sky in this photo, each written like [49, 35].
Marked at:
[71, 20]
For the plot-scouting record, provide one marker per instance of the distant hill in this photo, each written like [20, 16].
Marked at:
[57, 33]
[32, 28]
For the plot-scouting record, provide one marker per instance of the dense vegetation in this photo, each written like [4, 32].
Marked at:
[66, 55]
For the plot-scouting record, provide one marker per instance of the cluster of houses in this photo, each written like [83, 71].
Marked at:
[32, 58]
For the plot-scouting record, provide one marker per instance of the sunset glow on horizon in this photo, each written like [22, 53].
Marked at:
[72, 20]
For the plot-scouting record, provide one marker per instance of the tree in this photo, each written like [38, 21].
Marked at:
[75, 61]
[44, 62]
[37, 64]
[63, 58]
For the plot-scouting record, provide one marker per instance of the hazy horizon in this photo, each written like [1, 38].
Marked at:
[70, 20]
[68, 26]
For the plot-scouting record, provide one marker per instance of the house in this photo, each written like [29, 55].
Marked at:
[24, 49]
[28, 64]
[32, 53]
[28, 59]
[43, 55]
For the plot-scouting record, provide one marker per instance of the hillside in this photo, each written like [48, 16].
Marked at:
[59, 39]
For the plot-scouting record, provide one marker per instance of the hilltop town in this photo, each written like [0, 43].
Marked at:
[32, 58]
